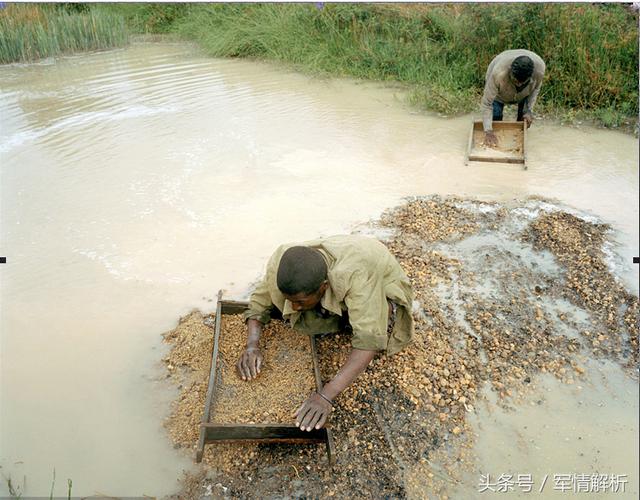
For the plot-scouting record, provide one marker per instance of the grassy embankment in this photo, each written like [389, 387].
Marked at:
[440, 52]
[29, 32]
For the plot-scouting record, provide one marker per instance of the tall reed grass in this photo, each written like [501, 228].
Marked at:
[33, 31]
[441, 51]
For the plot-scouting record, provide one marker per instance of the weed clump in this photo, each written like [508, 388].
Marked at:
[29, 32]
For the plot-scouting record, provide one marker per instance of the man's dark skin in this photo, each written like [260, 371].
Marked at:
[315, 410]
[490, 138]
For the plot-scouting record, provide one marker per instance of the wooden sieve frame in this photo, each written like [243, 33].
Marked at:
[211, 433]
[501, 125]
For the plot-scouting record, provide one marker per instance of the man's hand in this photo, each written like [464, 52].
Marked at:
[490, 139]
[313, 412]
[528, 119]
[249, 363]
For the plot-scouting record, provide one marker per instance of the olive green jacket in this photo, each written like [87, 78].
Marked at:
[499, 87]
[362, 275]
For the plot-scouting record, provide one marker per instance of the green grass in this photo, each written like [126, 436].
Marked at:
[29, 32]
[440, 52]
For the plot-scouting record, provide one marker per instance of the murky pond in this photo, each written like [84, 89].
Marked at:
[136, 183]
[569, 440]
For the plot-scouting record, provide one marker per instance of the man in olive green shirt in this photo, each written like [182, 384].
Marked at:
[513, 77]
[315, 286]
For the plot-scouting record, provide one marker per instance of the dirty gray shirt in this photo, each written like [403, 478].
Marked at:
[498, 86]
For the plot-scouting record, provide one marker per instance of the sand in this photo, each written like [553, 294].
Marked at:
[286, 378]
[510, 143]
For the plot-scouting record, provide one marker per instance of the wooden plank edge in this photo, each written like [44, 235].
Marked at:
[234, 306]
[268, 440]
[500, 124]
[469, 144]
[212, 380]
[262, 432]
[331, 449]
[314, 359]
[490, 159]
[505, 124]
[267, 425]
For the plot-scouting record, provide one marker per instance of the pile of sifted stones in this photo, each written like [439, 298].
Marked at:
[483, 319]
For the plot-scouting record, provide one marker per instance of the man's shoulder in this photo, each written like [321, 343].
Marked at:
[500, 74]
[348, 244]
[337, 245]
[351, 239]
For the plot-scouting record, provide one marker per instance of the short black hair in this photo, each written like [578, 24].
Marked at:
[522, 68]
[301, 270]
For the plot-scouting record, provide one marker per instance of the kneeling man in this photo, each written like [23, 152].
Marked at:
[322, 285]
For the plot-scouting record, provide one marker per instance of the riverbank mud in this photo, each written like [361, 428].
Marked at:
[508, 296]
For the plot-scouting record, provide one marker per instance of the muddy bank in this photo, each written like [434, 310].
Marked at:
[505, 294]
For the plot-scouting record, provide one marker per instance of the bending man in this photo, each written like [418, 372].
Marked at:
[513, 76]
[321, 286]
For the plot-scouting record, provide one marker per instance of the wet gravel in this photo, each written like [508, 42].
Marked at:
[504, 292]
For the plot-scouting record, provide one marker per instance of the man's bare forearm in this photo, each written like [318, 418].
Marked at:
[254, 329]
[356, 363]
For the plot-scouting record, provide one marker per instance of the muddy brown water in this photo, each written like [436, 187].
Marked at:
[560, 439]
[135, 183]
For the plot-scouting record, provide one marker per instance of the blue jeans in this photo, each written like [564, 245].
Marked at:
[498, 107]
